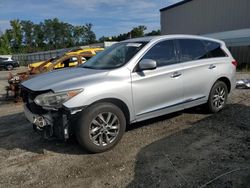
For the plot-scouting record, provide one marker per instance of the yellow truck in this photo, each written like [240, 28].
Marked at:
[69, 59]
[86, 53]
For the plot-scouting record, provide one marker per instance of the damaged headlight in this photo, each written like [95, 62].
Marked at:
[55, 100]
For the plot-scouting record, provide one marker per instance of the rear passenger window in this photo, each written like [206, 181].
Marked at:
[163, 53]
[192, 49]
[214, 49]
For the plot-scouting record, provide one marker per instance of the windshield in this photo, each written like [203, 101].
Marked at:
[115, 56]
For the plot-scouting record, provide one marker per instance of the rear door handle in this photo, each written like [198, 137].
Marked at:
[211, 66]
[175, 75]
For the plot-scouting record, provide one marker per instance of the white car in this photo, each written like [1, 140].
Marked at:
[131, 81]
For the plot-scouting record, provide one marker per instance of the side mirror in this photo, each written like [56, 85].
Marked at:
[147, 64]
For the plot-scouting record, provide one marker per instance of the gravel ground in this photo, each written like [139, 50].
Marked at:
[184, 149]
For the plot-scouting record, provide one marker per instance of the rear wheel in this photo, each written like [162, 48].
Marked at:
[100, 127]
[217, 97]
[9, 67]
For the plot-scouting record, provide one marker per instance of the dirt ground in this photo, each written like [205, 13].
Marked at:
[184, 149]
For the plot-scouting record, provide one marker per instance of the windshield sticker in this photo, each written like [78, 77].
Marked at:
[134, 45]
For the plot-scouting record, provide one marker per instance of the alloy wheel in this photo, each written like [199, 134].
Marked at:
[104, 129]
[219, 97]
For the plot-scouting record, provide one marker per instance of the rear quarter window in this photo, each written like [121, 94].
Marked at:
[214, 49]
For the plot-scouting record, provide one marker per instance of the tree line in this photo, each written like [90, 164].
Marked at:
[24, 36]
[138, 31]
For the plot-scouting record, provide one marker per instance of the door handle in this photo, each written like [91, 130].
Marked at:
[175, 75]
[211, 66]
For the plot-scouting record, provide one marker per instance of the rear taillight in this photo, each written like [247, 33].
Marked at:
[235, 63]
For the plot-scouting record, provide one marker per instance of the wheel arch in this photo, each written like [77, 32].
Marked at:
[226, 81]
[119, 103]
[6, 65]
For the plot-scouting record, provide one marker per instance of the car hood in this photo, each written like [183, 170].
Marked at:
[65, 79]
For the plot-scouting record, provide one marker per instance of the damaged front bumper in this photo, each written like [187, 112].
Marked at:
[52, 124]
[39, 120]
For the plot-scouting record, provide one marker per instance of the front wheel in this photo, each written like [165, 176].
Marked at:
[9, 67]
[217, 97]
[100, 127]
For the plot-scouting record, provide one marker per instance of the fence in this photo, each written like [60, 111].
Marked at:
[28, 58]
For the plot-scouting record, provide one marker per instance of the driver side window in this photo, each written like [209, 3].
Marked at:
[66, 62]
[163, 53]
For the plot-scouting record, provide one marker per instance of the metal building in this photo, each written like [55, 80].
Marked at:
[228, 20]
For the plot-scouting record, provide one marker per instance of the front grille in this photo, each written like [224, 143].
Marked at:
[29, 97]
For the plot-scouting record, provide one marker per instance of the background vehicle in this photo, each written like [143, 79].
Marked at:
[84, 52]
[14, 80]
[8, 63]
[58, 63]
[129, 82]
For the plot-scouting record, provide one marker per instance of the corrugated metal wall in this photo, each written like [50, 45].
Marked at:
[241, 54]
[206, 16]
[209, 16]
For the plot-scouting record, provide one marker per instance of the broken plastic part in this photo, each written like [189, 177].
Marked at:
[243, 84]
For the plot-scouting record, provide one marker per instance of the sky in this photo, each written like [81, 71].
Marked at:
[109, 17]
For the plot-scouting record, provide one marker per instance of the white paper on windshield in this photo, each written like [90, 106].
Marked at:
[134, 45]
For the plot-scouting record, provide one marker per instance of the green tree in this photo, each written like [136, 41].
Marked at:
[68, 39]
[135, 32]
[89, 35]
[25, 36]
[27, 30]
[16, 32]
[5, 44]
[138, 31]
[78, 35]
[153, 33]
[38, 36]
[102, 39]
[59, 34]
[49, 36]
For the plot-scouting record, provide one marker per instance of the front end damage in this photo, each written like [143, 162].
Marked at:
[51, 123]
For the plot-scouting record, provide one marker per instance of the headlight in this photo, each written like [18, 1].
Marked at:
[55, 100]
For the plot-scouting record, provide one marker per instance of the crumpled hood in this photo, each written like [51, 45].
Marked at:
[65, 79]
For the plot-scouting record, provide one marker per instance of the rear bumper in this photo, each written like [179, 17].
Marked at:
[16, 64]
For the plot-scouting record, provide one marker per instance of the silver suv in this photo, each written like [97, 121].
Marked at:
[131, 81]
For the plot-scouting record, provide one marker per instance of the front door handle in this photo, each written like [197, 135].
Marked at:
[211, 66]
[175, 75]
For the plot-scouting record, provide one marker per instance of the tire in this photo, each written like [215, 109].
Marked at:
[100, 127]
[9, 67]
[217, 97]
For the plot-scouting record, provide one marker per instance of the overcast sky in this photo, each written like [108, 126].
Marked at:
[109, 17]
